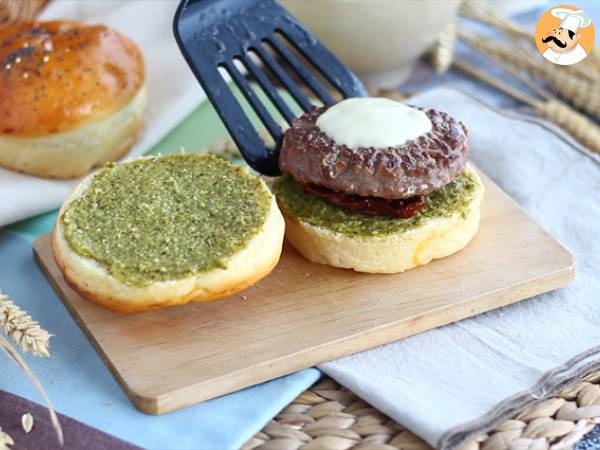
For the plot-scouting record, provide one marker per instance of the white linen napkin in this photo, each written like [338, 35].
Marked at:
[470, 375]
[173, 91]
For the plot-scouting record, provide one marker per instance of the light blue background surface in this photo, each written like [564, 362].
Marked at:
[81, 386]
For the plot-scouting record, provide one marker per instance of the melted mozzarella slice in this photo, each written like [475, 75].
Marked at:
[372, 122]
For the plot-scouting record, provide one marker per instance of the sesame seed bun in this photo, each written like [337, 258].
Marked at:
[72, 96]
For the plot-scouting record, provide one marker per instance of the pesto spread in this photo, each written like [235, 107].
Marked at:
[164, 218]
[446, 201]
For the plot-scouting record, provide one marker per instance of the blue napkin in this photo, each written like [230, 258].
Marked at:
[81, 386]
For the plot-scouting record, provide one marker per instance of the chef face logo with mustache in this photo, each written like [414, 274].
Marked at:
[564, 35]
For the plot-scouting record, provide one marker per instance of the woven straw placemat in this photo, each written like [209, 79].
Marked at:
[328, 416]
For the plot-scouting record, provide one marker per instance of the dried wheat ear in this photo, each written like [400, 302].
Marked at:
[578, 85]
[443, 53]
[24, 331]
[5, 441]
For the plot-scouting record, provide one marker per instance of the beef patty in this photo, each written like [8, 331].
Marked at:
[417, 167]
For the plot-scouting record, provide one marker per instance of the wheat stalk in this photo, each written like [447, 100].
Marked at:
[13, 354]
[5, 441]
[588, 69]
[481, 11]
[524, 58]
[580, 127]
[25, 331]
[392, 94]
[223, 147]
[444, 50]
[584, 94]
[593, 60]
[484, 12]
[227, 149]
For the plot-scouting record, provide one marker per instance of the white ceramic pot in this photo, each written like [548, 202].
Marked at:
[380, 40]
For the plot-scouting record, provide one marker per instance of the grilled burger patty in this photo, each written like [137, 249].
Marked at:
[415, 168]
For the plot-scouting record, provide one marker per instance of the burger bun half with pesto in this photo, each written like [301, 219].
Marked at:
[374, 185]
[159, 231]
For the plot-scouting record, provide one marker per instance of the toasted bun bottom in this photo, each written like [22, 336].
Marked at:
[392, 253]
[94, 282]
[71, 154]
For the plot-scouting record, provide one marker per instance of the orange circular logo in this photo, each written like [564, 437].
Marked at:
[564, 35]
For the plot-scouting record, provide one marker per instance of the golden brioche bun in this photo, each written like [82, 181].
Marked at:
[71, 97]
[390, 253]
[91, 280]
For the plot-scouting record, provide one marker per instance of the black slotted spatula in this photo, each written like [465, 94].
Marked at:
[213, 34]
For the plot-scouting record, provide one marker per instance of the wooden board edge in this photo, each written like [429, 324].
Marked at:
[195, 393]
[487, 180]
[166, 403]
[145, 404]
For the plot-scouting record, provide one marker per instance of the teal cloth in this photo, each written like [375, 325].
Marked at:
[81, 386]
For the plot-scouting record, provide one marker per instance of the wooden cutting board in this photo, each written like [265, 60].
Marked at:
[303, 314]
